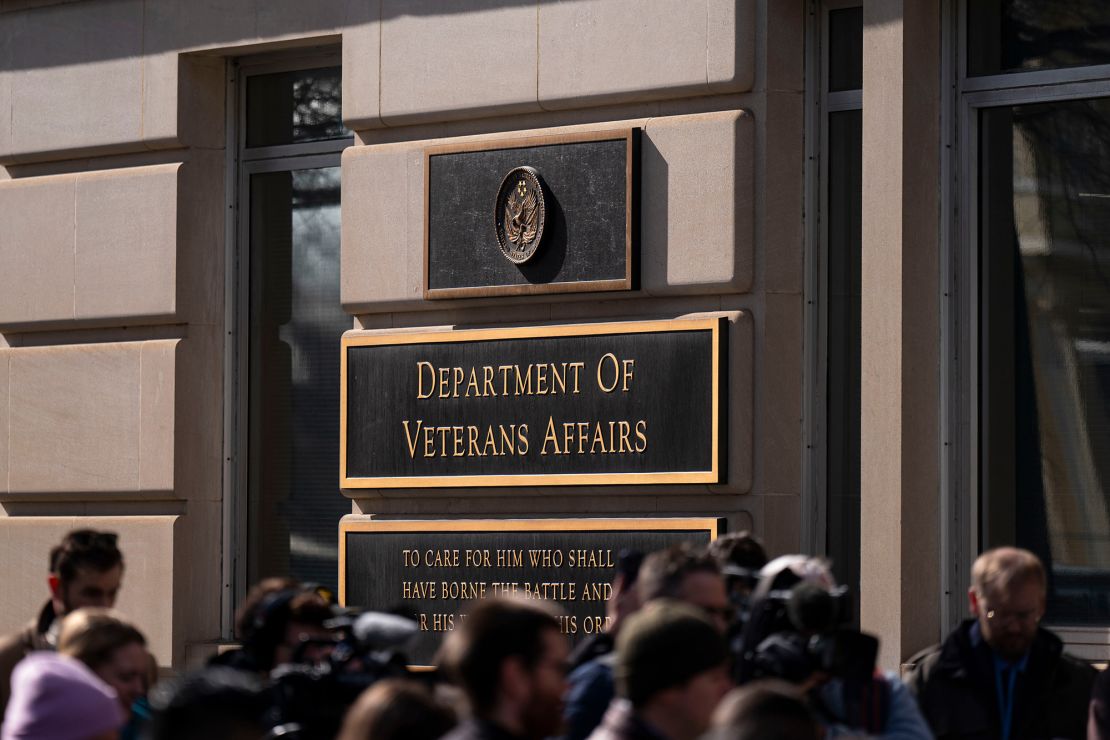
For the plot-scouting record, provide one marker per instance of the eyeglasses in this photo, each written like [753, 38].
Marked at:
[1025, 617]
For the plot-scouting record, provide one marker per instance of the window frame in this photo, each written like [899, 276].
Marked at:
[820, 104]
[242, 163]
[964, 332]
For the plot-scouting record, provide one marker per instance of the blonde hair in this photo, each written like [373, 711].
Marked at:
[1004, 567]
[94, 635]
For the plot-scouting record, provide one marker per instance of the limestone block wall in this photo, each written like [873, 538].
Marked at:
[73, 225]
[25, 543]
[143, 68]
[113, 215]
[94, 420]
[721, 217]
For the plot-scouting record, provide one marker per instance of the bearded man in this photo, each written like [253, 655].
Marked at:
[510, 659]
[1000, 674]
[86, 569]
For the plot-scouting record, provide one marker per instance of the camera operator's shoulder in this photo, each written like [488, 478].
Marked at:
[917, 670]
[1080, 670]
[1067, 669]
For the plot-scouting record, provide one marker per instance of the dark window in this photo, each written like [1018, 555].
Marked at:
[295, 329]
[841, 253]
[845, 49]
[1024, 35]
[845, 216]
[290, 323]
[1044, 176]
[294, 107]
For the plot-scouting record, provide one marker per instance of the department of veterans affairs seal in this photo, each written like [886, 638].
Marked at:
[518, 214]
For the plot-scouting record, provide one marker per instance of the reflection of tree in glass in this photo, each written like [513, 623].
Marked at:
[317, 111]
[1054, 33]
[1070, 146]
[313, 334]
[315, 188]
[1061, 191]
[294, 107]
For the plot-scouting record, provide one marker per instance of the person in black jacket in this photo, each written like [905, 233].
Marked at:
[510, 658]
[1000, 674]
[86, 569]
[681, 572]
[671, 669]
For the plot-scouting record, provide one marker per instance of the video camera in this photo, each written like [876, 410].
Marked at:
[310, 699]
[797, 632]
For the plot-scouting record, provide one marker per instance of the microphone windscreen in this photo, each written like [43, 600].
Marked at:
[376, 631]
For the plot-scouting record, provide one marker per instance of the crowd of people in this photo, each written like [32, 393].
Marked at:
[715, 642]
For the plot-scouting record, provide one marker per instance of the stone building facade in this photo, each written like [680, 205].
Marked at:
[123, 199]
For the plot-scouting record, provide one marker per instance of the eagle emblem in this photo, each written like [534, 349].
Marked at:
[519, 214]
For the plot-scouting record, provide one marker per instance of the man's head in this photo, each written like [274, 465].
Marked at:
[672, 663]
[765, 709]
[216, 703]
[625, 599]
[685, 574]
[85, 570]
[281, 621]
[396, 709]
[741, 556]
[1007, 597]
[510, 658]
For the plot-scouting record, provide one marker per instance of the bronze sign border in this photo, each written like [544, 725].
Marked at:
[714, 325]
[714, 525]
[631, 137]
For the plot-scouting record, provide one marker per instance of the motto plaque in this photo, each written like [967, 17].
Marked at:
[432, 569]
[540, 214]
[619, 403]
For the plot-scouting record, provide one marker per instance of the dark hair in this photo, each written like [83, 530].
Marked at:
[628, 566]
[663, 572]
[764, 710]
[664, 645]
[742, 549]
[245, 615]
[394, 709]
[269, 608]
[495, 630]
[85, 548]
[217, 703]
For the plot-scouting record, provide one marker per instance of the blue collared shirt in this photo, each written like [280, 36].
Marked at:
[1005, 681]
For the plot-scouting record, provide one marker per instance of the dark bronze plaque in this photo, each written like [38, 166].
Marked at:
[564, 215]
[435, 568]
[623, 403]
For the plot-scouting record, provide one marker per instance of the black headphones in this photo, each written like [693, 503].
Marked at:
[271, 618]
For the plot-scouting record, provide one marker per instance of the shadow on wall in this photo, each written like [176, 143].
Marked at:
[37, 34]
[654, 214]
